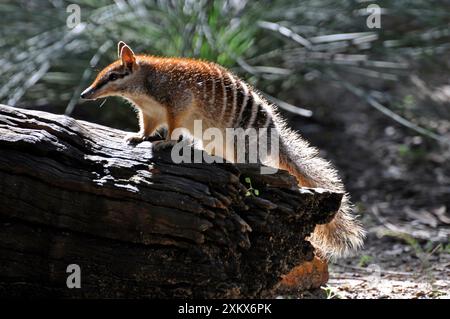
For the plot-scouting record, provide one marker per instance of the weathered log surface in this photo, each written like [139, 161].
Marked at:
[137, 224]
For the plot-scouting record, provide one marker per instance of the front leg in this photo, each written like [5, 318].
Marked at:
[171, 138]
[147, 126]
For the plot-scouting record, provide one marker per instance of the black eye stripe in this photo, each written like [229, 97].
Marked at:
[101, 84]
[106, 79]
[116, 75]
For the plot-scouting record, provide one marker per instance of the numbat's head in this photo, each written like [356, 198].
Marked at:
[117, 79]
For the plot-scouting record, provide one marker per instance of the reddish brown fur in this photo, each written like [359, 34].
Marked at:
[176, 91]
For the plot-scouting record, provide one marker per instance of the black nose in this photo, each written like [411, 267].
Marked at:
[86, 93]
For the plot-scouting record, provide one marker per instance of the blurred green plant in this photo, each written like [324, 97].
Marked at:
[364, 260]
[411, 153]
[275, 45]
[331, 292]
[45, 61]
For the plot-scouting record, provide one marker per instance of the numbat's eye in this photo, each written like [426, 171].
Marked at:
[113, 77]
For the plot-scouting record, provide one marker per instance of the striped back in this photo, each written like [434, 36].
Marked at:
[227, 100]
[232, 101]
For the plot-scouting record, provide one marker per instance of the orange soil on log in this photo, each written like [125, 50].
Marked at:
[309, 275]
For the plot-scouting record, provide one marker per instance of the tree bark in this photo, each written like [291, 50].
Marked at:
[137, 224]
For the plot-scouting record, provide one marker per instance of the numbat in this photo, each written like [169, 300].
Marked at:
[175, 92]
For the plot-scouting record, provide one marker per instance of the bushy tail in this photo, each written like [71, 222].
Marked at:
[344, 234]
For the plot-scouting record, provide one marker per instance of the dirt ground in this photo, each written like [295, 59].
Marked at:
[400, 185]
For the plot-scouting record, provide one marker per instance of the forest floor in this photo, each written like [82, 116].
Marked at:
[400, 185]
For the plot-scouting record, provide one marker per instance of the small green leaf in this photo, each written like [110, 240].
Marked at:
[248, 194]
[247, 180]
[256, 192]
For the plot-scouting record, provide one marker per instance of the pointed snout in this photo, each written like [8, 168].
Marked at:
[88, 94]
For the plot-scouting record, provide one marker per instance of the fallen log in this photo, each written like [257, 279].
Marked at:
[138, 225]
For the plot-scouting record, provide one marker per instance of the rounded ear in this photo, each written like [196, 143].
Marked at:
[127, 57]
[120, 45]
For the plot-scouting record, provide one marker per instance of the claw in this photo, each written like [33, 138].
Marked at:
[134, 138]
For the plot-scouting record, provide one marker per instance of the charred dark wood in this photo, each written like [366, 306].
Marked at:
[137, 224]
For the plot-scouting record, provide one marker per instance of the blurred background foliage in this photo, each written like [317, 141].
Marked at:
[286, 48]
[376, 102]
